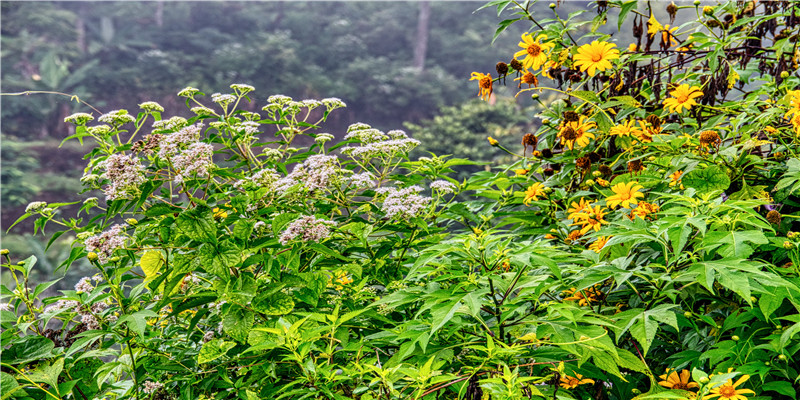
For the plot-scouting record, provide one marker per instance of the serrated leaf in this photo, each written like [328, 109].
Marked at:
[218, 260]
[213, 350]
[706, 180]
[198, 224]
[237, 322]
[277, 303]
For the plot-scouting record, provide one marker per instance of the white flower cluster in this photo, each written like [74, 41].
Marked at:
[375, 143]
[403, 204]
[316, 172]
[307, 228]
[223, 99]
[170, 124]
[116, 118]
[151, 106]
[242, 88]
[443, 186]
[172, 143]
[6, 307]
[195, 161]
[35, 207]
[105, 243]
[79, 118]
[332, 103]
[125, 175]
[264, 178]
[363, 180]
[84, 285]
[62, 305]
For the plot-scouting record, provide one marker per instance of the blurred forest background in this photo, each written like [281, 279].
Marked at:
[396, 65]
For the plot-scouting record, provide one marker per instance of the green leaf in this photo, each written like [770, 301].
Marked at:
[161, 209]
[137, 321]
[31, 348]
[783, 387]
[151, 262]
[706, 180]
[213, 350]
[277, 303]
[242, 229]
[624, 10]
[9, 385]
[218, 260]
[237, 322]
[502, 26]
[733, 242]
[198, 224]
[47, 373]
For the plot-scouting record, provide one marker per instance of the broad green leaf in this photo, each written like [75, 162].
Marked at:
[733, 243]
[277, 303]
[237, 322]
[213, 350]
[198, 224]
[31, 348]
[137, 322]
[706, 180]
[218, 260]
[9, 386]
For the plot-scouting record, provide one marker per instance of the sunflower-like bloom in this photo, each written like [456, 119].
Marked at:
[596, 56]
[575, 208]
[584, 297]
[534, 50]
[677, 381]
[728, 391]
[533, 193]
[682, 97]
[626, 129]
[625, 194]
[568, 382]
[643, 210]
[675, 178]
[573, 236]
[598, 244]
[653, 26]
[668, 36]
[577, 133]
[591, 218]
[646, 132]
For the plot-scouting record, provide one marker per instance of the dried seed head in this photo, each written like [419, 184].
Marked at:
[501, 68]
[774, 217]
[571, 116]
[530, 140]
[583, 163]
[516, 64]
[635, 166]
[709, 137]
[548, 172]
[605, 170]
[547, 153]
[594, 156]
[530, 79]
[654, 120]
[569, 134]
[672, 9]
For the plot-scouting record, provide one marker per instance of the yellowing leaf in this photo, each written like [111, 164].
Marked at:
[151, 263]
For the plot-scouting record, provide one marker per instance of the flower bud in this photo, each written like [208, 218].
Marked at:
[132, 221]
[687, 314]
[784, 74]
[703, 380]
[545, 122]
[589, 182]
[596, 174]
[782, 357]
[492, 141]
[4, 252]
[735, 338]
[788, 245]
[552, 6]
[696, 3]
[92, 256]
[535, 96]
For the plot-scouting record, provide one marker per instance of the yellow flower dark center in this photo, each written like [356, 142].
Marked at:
[596, 57]
[570, 134]
[683, 98]
[679, 385]
[534, 49]
[485, 82]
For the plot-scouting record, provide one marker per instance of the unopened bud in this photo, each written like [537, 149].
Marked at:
[92, 256]
[788, 245]
[735, 338]
[4, 252]
[535, 96]
[703, 380]
[687, 314]
[784, 74]
[552, 6]
[132, 221]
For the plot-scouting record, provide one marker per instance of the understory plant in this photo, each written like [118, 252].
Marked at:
[639, 244]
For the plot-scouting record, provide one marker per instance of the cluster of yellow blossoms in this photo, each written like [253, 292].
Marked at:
[672, 379]
[793, 115]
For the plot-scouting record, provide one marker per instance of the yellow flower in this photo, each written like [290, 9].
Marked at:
[596, 56]
[675, 178]
[577, 132]
[576, 208]
[549, 236]
[676, 381]
[219, 214]
[599, 244]
[682, 97]
[342, 278]
[484, 84]
[533, 193]
[492, 141]
[643, 210]
[573, 236]
[728, 391]
[653, 26]
[521, 171]
[632, 48]
[626, 129]
[549, 66]
[668, 37]
[534, 50]
[568, 382]
[625, 194]
[602, 182]
[591, 218]
[584, 297]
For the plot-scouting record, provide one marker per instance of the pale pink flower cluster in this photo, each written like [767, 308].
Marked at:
[84, 285]
[125, 175]
[62, 305]
[195, 161]
[363, 180]
[264, 178]
[6, 307]
[316, 172]
[172, 143]
[403, 204]
[151, 387]
[105, 243]
[307, 228]
[90, 322]
[443, 186]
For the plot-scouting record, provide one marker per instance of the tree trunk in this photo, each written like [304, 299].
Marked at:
[421, 44]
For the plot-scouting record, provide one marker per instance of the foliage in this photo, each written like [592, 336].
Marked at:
[634, 250]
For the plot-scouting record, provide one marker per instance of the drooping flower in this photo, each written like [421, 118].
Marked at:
[533, 193]
[728, 391]
[534, 50]
[682, 97]
[568, 382]
[625, 194]
[577, 133]
[644, 210]
[673, 380]
[484, 84]
[584, 297]
[596, 56]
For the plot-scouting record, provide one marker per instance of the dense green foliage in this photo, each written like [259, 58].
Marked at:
[638, 244]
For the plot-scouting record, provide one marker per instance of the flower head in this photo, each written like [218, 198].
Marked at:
[590, 218]
[577, 132]
[307, 228]
[682, 97]
[596, 56]
[484, 84]
[625, 194]
[598, 244]
[568, 382]
[628, 128]
[534, 50]
[533, 193]
[728, 391]
[674, 380]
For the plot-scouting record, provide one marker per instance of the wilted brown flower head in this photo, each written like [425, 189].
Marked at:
[502, 68]
[605, 170]
[571, 116]
[569, 134]
[654, 120]
[583, 163]
[530, 140]
[774, 217]
[516, 64]
[708, 138]
[547, 153]
[635, 166]
[594, 156]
